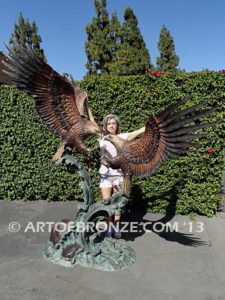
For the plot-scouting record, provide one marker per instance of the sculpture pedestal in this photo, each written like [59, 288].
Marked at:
[78, 242]
[107, 255]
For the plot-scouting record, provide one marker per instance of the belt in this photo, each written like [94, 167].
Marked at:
[111, 177]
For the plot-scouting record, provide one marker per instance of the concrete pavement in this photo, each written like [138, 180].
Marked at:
[188, 263]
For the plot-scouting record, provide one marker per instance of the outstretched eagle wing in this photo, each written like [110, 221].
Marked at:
[58, 102]
[4, 78]
[167, 135]
[54, 95]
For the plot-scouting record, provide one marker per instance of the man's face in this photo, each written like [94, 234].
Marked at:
[111, 126]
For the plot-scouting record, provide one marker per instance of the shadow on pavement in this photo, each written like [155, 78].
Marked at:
[136, 212]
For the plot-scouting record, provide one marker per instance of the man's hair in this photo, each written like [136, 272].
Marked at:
[109, 117]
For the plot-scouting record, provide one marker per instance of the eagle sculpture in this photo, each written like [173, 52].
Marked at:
[167, 135]
[61, 105]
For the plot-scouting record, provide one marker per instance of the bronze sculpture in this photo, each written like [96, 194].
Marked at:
[168, 135]
[59, 103]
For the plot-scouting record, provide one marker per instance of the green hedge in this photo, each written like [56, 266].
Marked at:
[191, 183]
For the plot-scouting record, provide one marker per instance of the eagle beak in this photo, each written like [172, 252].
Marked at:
[108, 138]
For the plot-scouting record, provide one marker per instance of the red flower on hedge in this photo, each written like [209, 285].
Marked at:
[156, 73]
[211, 151]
